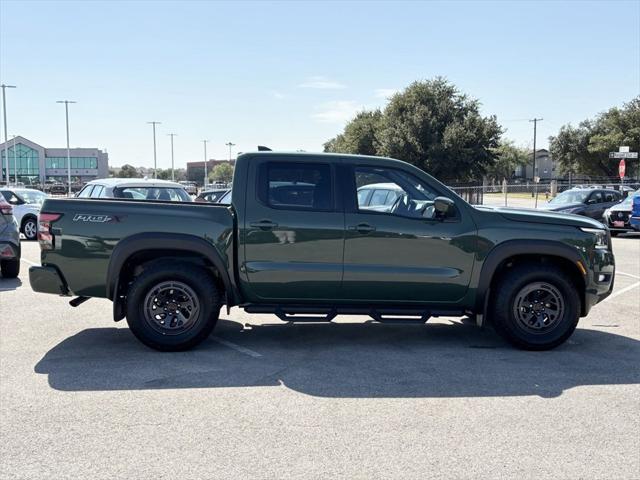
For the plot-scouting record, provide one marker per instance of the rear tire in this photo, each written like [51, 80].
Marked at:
[30, 228]
[173, 306]
[536, 307]
[10, 268]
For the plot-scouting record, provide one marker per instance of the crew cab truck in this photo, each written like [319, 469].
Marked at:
[298, 242]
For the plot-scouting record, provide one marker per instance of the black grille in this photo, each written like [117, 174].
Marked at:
[618, 216]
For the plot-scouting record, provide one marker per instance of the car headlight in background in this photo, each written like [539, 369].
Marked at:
[601, 236]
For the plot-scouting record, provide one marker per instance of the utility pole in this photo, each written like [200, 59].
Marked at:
[230, 145]
[533, 172]
[155, 158]
[173, 177]
[204, 184]
[6, 144]
[66, 111]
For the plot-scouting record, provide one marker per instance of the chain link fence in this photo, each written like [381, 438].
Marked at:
[529, 194]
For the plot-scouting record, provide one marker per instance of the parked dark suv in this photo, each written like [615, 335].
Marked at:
[584, 201]
[9, 241]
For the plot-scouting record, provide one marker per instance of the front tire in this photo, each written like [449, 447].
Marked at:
[536, 307]
[10, 268]
[173, 306]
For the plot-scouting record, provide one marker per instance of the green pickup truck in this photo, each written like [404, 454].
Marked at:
[302, 239]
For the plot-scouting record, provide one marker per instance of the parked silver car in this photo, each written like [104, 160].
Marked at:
[9, 241]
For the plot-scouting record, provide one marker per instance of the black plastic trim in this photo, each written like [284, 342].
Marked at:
[517, 247]
[166, 241]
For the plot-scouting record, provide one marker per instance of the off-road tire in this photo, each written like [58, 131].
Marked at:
[197, 280]
[508, 291]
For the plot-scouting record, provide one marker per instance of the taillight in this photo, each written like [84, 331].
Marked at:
[45, 237]
[6, 209]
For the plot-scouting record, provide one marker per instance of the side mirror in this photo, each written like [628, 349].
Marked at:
[443, 206]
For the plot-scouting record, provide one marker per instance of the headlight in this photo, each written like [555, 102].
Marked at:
[601, 237]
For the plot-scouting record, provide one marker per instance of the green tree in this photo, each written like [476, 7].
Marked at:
[360, 136]
[222, 172]
[435, 127]
[128, 171]
[163, 174]
[508, 157]
[431, 125]
[585, 149]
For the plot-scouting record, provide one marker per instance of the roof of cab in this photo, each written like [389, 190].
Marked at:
[135, 182]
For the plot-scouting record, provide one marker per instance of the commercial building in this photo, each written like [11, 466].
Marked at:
[195, 170]
[34, 163]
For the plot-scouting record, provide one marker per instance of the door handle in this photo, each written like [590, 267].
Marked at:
[264, 224]
[363, 228]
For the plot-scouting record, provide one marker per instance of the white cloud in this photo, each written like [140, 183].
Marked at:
[322, 83]
[384, 93]
[278, 95]
[337, 111]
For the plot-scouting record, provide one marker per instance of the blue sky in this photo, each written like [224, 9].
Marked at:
[289, 74]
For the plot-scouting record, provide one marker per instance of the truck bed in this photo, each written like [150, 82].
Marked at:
[89, 230]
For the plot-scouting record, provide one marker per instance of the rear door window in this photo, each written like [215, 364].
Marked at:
[292, 185]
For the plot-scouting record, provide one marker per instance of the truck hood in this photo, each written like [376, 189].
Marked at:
[544, 216]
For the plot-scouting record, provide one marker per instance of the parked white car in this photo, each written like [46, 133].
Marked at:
[26, 204]
[135, 189]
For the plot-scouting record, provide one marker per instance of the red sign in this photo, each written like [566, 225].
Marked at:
[621, 168]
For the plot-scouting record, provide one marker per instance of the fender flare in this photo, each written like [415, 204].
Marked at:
[165, 241]
[512, 248]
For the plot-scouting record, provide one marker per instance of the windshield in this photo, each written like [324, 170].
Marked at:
[33, 197]
[570, 197]
[153, 193]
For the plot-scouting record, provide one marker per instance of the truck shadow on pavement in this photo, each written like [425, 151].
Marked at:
[345, 360]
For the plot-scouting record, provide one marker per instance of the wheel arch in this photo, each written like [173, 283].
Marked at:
[531, 251]
[146, 247]
[26, 217]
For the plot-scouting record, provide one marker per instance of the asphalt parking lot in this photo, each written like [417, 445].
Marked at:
[81, 398]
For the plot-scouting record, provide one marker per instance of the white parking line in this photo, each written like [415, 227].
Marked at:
[620, 292]
[628, 275]
[30, 262]
[236, 347]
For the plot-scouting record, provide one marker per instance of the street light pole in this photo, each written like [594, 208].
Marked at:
[66, 112]
[204, 184]
[6, 144]
[173, 178]
[155, 158]
[229, 144]
[15, 163]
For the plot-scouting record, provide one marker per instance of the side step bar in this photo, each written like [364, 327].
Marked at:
[306, 313]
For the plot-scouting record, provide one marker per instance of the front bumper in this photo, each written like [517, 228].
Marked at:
[600, 278]
[48, 280]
